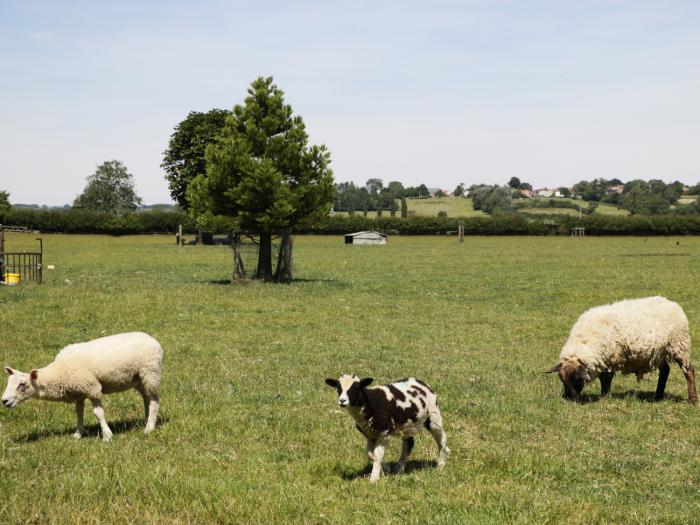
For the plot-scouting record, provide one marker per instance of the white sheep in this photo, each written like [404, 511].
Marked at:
[89, 370]
[401, 408]
[633, 337]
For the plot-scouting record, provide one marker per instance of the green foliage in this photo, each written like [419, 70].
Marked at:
[78, 220]
[184, 158]
[459, 190]
[396, 189]
[514, 183]
[593, 190]
[649, 198]
[260, 171]
[4, 202]
[491, 198]
[423, 192]
[110, 189]
[442, 214]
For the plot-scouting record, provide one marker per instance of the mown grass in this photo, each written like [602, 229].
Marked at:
[250, 434]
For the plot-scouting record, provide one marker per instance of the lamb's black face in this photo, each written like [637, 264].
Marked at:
[348, 388]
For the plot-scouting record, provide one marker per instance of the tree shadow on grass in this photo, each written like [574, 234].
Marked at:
[389, 469]
[118, 427]
[331, 282]
[644, 397]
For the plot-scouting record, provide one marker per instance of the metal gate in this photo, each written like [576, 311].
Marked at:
[27, 264]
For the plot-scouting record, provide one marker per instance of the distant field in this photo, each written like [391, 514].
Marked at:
[461, 207]
[688, 199]
[249, 433]
[453, 206]
[602, 209]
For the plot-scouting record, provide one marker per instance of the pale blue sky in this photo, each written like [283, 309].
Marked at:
[436, 92]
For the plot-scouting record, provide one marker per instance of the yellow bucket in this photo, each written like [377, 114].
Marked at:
[11, 278]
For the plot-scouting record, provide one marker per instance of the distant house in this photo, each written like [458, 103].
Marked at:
[368, 237]
[525, 192]
[547, 193]
[618, 188]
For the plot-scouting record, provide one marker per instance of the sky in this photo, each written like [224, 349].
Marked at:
[438, 92]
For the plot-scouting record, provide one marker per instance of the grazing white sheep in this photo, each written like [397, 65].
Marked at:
[401, 408]
[633, 337]
[89, 370]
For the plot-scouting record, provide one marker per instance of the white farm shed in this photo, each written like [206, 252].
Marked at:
[365, 238]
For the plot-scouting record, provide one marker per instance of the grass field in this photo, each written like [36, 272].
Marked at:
[250, 434]
[453, 206]
[602, 209]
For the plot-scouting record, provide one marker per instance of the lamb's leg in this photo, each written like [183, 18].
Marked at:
[405, 452]
[605, 382]
[79, 412]
[100, 415]
[369, 449]
[378, 456]
[153, 406]
[664, 370]
[434, 425]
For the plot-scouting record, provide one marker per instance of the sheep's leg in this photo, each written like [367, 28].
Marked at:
[434, 425]
[79, 412]
[152, 410]
[408, 443]
[664, 370]
[99, 412]
[690, 378]
[605, 382]
[378, 456]
[369, 449]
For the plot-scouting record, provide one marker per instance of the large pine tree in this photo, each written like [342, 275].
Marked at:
[262, 174]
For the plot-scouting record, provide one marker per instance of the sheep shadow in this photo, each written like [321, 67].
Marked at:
[119, 426]
[642, 396]
[389, 467]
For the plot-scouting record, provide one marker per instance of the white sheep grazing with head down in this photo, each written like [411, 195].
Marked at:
[633, 337]
[89, 370]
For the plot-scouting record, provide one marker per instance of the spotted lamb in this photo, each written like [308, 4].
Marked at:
[401, 408]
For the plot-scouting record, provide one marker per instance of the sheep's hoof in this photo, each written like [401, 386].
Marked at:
[693, 401]
[148, 430]
[398, 469]
[373, 479]
[77, 435]
[107, 437]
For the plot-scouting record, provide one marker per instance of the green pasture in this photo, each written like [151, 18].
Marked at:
[453, 206]
[249, 433]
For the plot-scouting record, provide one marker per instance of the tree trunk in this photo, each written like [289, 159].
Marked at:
[284, 261]
[238, 269]
[264, 270]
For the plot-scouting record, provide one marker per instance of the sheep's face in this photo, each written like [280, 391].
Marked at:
[349, 388]
[20, 387]
[573, 375]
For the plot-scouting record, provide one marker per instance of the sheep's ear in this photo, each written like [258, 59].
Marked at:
[366, 382]
[9, 371]
[33, 374]
[583, 373]
[555, 368]
[332, 383]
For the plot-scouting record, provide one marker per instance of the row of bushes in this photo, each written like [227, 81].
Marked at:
[88, 221]
[516, 224]
[85, 221]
